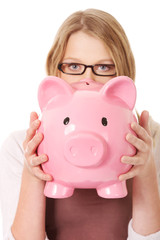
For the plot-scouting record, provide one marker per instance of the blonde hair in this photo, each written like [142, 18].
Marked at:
[98, 24]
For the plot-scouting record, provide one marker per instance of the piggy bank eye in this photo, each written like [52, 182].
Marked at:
[66, 120]
[104, 121]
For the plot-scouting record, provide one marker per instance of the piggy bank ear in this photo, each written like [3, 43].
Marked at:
[51, 87]
[120, 91]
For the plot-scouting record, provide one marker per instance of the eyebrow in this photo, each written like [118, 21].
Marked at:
[79, 61]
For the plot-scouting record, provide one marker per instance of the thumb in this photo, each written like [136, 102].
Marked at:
[144, 121]
[33, 117]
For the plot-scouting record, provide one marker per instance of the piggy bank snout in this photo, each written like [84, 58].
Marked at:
[85, 149]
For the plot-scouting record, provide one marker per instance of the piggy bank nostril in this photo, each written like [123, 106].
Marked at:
[73, 151]
[94, 150]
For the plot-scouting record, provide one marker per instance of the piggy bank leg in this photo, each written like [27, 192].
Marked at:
[117, 190]
[56, 190]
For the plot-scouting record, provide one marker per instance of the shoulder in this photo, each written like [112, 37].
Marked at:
[14, 138]
[154, 127]
[11, 151]
[155, 133]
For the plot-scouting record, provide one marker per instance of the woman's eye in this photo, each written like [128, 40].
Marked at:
[74, 67]
[103, 68]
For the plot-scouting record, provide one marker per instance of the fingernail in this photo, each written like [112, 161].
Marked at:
[120, 178]
[128, 136]
[36, 122]
[133, 125]
[49, 178]
[39, 134]
[44, 158]
[123, 159]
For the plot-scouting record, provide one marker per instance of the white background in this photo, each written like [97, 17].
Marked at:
[27, 30]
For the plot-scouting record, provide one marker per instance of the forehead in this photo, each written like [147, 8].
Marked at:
[86, 48]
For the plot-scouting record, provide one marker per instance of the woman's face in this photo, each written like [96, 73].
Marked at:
[85, 49]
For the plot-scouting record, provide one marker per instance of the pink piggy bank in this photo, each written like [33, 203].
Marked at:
[84, 127]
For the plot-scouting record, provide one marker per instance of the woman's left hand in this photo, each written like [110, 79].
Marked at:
[143, 161]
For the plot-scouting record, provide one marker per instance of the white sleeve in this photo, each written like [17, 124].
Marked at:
[132, 235]
[11, 162]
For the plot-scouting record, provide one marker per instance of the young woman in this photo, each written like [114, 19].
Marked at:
[89, 44]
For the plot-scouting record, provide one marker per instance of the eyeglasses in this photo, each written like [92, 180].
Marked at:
[78, 69]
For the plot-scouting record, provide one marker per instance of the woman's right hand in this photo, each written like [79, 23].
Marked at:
[30, 145]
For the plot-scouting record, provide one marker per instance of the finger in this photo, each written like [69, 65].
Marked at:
[144, 121]
[132, 173]
[32, 130]
[33, 144]
[38, 172]
[37, 160]
[33, 117]
[135, 160]
[140, 131]
[137, 142]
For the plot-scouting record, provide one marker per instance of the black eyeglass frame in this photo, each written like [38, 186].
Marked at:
[85, 67]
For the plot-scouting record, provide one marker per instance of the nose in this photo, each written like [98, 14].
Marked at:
[85, 150]
[88, 74]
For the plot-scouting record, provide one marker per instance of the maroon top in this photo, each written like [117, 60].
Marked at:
[86, 216]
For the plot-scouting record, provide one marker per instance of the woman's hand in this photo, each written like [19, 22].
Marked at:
[143, 161]
[145, 197]
[30, 144]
